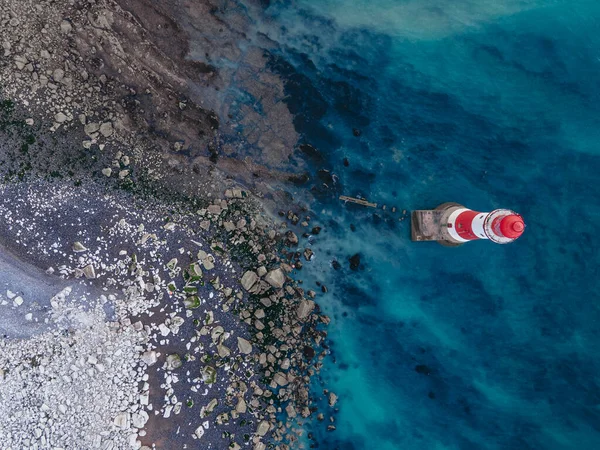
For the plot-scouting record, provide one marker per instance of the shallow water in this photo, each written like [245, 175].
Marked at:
[490, 104]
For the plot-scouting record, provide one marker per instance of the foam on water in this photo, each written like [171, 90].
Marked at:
[491, 104]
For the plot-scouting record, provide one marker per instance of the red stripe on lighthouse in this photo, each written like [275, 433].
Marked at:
[464, 225]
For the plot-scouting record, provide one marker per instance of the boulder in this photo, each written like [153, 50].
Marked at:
[244, 346]
[291, 238]
[139, 420]
[280, 379]
[91, 128]
[275, 278]
[308, 254]
[223, 351]
[208, 262]
[214, 209]
[78, 247]
[122, 420]
[106, 129]
[305, 308]
[263, 428]
[89, 271]
[290, 410]
[241, 406]
[149, 357]
[66, 27]
[173, 362]
[249, 279]
[332, 399]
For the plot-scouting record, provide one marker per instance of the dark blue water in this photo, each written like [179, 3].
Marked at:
[492, 104]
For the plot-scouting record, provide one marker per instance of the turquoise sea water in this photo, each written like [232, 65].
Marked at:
[487, 103]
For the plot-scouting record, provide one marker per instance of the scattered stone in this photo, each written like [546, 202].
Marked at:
[199, 432]
[173, 362]
[122, 420]
[79, 247]
[89, 272]
[58, 75]
[66, 27]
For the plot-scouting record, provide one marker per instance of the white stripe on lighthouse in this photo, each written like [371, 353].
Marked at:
[477, 225]
[452, 225]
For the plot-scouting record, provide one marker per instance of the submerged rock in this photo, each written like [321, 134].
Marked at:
[332, 399]
[355, 261]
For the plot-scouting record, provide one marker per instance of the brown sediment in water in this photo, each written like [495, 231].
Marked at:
[135, 65]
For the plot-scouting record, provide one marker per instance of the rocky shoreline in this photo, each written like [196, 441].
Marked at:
[223, 332]
[182, 321]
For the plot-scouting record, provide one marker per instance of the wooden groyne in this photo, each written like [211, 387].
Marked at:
[358, 201]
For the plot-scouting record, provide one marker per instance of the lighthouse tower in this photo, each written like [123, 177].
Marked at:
[452, 224]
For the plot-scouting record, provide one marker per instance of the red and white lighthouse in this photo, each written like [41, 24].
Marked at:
[452, 224]
[501, 226]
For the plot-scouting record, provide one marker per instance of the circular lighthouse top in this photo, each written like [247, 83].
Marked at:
[503, 226]
[512, 226]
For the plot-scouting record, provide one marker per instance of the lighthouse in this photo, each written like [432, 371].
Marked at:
[452, 224]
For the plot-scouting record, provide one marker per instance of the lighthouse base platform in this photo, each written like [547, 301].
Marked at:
[426, 225]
